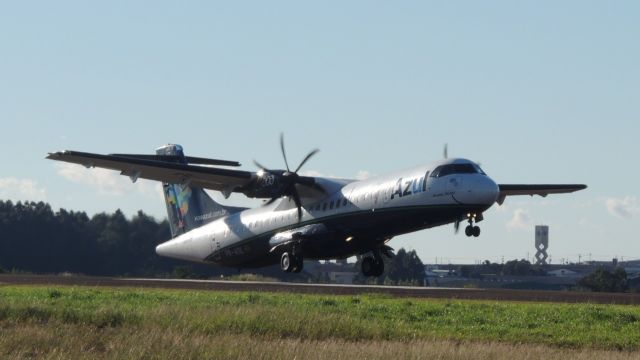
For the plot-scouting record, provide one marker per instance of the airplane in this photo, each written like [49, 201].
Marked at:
[306, 217]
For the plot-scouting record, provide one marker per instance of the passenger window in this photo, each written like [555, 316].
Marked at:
[344, 202]
[338, 203]
[324, 207]
[331, 205]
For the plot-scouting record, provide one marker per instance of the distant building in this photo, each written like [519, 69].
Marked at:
[563, 273]
[339, 272]
[342, 277]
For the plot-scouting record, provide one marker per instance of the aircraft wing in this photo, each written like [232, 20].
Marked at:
[536, 189]
[136, 167]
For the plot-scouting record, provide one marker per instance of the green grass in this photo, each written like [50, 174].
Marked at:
[299, 317]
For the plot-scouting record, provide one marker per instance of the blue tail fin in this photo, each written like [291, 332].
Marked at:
[189, 207]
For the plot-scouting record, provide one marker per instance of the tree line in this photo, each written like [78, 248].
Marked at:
[34, 238]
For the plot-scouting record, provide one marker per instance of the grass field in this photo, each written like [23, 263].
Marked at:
[81, 322]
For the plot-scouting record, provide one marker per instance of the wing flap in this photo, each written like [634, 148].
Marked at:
[175, 173]
[536, 189]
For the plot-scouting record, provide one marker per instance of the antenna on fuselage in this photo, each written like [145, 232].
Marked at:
[445, 151]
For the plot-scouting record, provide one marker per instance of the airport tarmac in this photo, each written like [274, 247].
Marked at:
[328, 289]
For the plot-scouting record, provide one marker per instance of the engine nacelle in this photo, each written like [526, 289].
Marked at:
[298, 235]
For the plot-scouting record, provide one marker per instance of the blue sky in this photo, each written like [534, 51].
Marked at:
[537, 92]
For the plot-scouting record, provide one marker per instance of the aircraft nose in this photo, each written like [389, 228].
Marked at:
[488, 191]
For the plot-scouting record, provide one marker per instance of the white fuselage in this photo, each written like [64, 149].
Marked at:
[408, 189]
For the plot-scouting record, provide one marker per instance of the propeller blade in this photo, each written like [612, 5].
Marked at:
[456, 226]
[257, 164]
[284, 155]
[296, 199]
[446, 151]
[309, 155]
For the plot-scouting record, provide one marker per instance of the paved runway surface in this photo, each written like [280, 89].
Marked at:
[413, 292]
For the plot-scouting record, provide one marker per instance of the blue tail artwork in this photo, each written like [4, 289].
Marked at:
[189, 207]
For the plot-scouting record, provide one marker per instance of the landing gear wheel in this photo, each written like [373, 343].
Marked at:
[379, 268]
[372, 267]
[472, 230]
[476, 231]
[368, 265]
[286, 262]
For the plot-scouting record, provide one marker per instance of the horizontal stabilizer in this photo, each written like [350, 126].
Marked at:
[176, 158]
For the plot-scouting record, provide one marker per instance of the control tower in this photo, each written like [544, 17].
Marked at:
[542, 244]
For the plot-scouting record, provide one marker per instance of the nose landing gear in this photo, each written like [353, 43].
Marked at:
[472, 230]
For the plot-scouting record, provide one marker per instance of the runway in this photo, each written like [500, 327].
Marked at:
[328, 289]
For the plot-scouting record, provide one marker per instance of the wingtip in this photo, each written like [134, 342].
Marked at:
[58, 154]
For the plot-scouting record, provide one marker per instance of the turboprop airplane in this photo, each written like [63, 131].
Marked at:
[306, 217]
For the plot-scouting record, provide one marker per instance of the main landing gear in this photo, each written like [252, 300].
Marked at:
[374, 265]
[290, 262]
[472, 230]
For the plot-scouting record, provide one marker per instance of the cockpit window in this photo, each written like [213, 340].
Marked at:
[445, 170]
[479, 169]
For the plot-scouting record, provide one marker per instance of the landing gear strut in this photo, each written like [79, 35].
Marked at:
[472, 230]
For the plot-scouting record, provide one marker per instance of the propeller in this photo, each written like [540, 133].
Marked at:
[456, 226]
[445, 151]
[289, 179]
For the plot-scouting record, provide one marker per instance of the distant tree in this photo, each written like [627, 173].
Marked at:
[183, 272]
[603, 280]
[521, 268]
[406, 267]
[491, 268]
